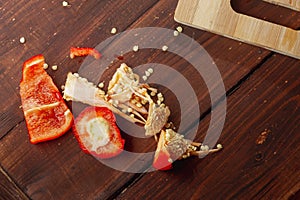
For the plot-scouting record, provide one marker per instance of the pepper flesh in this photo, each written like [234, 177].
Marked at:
[84, 51]
[46, 114]
[104, 141]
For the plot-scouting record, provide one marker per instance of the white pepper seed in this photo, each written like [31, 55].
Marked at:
[176, 33]
[164, 48]
[135, 48]
[101, 85]
[147, 73]
[65, 3]
[113, 31]
[54, 67]
[45, 66]
[22, 40]
[179, 29]
[150, 70]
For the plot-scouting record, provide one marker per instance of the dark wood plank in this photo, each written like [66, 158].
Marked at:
[36, 188]
[268, 12]
[268, 102]
[8, 189]
[51, 29]
[59, 169]
[52, 173]
[230, 57]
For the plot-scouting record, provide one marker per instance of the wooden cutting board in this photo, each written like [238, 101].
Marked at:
[292, 4]
[217, 16]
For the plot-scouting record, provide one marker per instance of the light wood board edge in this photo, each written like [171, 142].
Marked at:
[291, 4]
[218, 17]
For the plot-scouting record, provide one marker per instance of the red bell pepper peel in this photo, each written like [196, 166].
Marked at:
[46, 114]
[84, 51]
[97, 133]
[162, 157]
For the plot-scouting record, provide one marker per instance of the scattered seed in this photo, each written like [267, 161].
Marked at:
[129, 110]
[170, 160]
[45, 66]
[113, 31]
[164, 48]
[204, 148]
[147, 73]
[139, 105]
[179, 29]
[132, 115]
[101, 85]
[54, 67]
[176, 33]
[159, 95]
[135, 48]
[65, 4]
[152, 94]
[219, 146]
[150, 70]
[62, 87]
[144, 78]
[158, 102]
[22, 40]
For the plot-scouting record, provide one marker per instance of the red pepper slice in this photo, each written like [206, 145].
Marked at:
[97, 133]
[84, 51]
[161, 160]
[162, 157]
[46, 114]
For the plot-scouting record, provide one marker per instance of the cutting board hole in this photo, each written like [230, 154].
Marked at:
[268, 12]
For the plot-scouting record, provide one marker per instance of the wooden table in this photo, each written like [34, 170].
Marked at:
[261, 135]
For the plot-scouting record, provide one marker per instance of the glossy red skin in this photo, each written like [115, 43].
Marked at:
[37, 89]
[84, 51]
[116, 144]
[161, 161]
[161, 156]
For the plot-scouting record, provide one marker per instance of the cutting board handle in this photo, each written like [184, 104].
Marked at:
[217, 16]
[291, 4]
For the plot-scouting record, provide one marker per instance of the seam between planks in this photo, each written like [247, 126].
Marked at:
[12, 128]
[17, 187]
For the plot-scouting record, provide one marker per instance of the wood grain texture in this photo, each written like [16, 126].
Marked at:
[51, 29]
[60, 170]
[8, 189]
[244, 165]
[292, 4]
[265, 11]
[219, 17]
